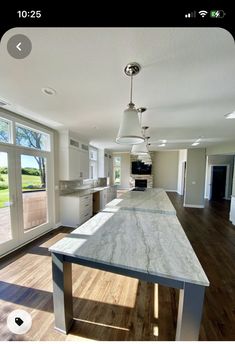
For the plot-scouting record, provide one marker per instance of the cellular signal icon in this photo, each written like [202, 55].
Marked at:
[203, 13]
[191, 14]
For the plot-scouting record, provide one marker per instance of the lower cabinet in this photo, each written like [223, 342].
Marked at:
[107, 195]
[75, 209]
[103, 198]
[232, 210]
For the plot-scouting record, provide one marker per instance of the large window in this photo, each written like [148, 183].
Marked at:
[32, 138]
[93, 162]
[117, 170]
[5, 131]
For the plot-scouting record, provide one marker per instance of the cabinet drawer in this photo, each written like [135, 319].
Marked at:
[84, 208]
[86, 216]
[85, 199]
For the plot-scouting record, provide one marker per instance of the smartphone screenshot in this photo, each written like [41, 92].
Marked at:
[117, 173]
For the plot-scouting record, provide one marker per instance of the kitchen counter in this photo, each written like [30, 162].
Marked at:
[84, 190]
[143, 244]
[150, 200]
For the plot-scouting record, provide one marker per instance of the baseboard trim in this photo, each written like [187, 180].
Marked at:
[170, 190]
[193, 206]
[57, 225]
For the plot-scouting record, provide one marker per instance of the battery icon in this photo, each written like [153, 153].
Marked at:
[217, 14]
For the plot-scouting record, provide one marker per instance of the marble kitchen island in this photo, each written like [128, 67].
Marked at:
[149, 246]
[150, 200]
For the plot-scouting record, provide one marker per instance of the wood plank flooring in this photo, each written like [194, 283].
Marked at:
[112, 307]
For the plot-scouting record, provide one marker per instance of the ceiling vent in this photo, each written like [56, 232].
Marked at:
[3, 103]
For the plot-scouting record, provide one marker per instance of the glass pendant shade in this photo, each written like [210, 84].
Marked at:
[140, 149]
[145, 158]
[130, 130]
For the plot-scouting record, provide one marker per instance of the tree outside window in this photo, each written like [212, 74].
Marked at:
[117, 170]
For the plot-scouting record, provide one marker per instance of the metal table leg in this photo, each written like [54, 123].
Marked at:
[62, 293]
[190, 311]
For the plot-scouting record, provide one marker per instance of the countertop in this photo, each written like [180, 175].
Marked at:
[132, 240]
[150, 200]
[84, 190]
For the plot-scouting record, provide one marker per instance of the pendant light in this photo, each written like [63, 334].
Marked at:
[141, 148]
[130, 129]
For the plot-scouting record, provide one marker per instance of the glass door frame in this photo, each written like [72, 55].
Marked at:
[30, 234]
[13, 242]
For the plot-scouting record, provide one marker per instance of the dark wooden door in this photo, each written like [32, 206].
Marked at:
[218, 182]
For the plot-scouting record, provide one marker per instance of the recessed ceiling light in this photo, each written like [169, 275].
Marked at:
[48, 91]
[195, 143]
[162, 145]
[230, 115]
[163, 141]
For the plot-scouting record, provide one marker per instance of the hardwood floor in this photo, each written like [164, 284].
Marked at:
[112, 307]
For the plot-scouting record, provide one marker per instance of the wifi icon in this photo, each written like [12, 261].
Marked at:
[203, 13]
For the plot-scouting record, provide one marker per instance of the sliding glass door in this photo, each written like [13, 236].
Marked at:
[26, 184]
[8, 207]
[34, 193]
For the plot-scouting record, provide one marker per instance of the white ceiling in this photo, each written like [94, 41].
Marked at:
[187, 82]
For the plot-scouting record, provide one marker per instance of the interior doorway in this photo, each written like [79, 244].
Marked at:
[218, 182]
[183, 177]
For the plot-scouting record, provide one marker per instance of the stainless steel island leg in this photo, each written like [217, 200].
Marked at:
[190, 312]
[62, 293]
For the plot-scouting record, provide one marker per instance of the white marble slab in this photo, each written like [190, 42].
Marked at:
[150, 200]
[149, 243]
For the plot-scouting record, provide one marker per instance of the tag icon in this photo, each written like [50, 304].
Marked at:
[19, 321]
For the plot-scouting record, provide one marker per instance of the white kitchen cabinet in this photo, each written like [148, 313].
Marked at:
[103, 198]
[84, 165]
[232, 210]
[107, 195]
[73, 157]
[75, 209]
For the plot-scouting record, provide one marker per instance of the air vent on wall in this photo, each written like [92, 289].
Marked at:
[74, 143]
[85, 147]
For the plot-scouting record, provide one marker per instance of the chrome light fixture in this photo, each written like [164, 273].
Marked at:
[130, 129]
[141, 148]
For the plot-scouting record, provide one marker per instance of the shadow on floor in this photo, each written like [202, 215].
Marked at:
[93, 319]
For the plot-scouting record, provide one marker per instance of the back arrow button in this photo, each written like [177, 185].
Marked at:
[18, 46]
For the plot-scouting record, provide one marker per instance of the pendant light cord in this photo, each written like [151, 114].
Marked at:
[131, 89]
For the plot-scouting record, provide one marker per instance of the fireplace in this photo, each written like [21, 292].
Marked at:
[141, 183]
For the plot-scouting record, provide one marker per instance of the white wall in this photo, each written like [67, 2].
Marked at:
[125, 170]
[165, 170]
[219, 160]
[195, 178]
[182, 160]
[222, 148]
[101, 172]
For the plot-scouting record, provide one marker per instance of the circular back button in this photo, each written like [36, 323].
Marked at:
[19, 46]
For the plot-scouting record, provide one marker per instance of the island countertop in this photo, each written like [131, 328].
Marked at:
[150, 243]
[150, 200]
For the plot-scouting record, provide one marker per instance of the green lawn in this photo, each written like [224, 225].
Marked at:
[26, 181]
[4, 197]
